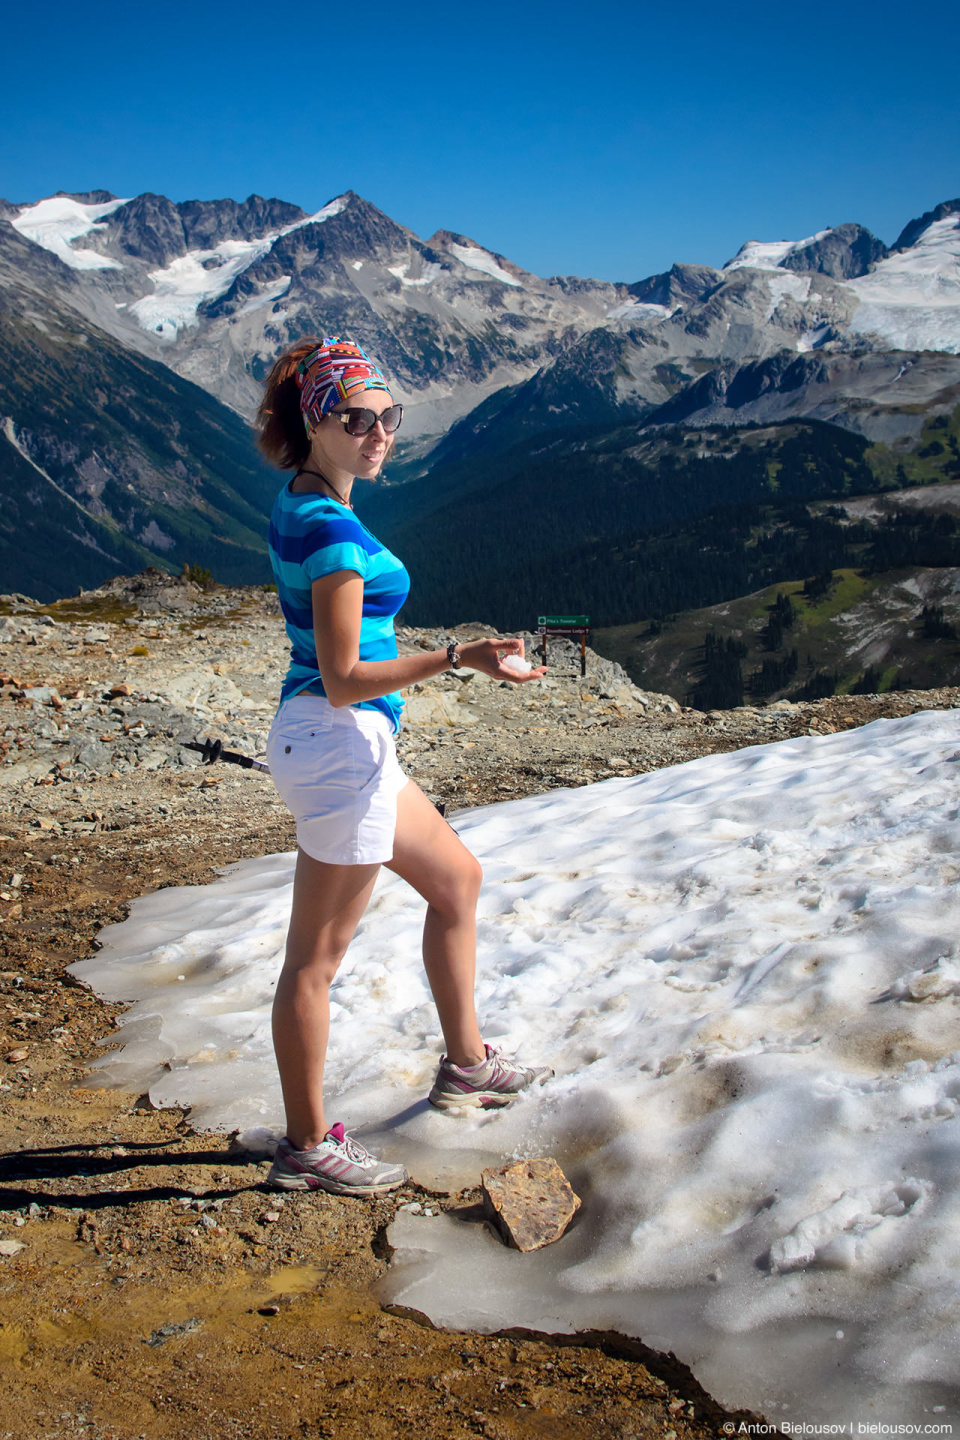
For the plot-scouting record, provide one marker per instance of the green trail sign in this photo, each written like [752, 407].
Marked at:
[564, 625]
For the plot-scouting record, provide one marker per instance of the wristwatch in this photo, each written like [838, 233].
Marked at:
[452, 655]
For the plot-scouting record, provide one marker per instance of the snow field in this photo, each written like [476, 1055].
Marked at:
[745, 972]
[476, 259]
[784, 284]
[54, 223]
[640, 311]
[910, 300]
[428, 273]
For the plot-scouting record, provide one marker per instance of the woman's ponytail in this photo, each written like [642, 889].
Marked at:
[283, 437]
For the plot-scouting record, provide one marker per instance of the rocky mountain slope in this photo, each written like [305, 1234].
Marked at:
[216, 289]
[844, 631]
[109, 460]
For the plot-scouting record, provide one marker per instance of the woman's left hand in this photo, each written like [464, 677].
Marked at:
[487, 656]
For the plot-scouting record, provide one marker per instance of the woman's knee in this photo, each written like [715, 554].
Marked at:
[475, 877]
[314, 970]
[457, 897]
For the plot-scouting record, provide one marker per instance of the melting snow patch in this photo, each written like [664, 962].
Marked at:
[783, 284]
[267, 296]
[428, 272]
[640, 311]
[813, 339]
[55, 222]
[476, 259]
[745, 972]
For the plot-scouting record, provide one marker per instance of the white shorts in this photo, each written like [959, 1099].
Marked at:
[338, 773]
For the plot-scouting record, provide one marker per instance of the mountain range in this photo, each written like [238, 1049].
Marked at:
[156, 322]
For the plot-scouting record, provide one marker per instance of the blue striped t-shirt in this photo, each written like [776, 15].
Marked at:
[312, 535]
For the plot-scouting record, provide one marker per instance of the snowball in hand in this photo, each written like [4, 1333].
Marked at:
[517, 663]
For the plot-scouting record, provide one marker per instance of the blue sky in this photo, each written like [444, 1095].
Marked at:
[575, 140]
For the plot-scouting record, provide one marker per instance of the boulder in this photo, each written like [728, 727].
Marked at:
[530, 1202]
[438, 707]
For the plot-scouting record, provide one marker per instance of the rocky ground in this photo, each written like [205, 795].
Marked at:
[150, 1286]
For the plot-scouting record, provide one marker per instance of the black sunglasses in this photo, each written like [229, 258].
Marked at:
[359, 421]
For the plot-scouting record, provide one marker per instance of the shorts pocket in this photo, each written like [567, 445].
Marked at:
[368, 758]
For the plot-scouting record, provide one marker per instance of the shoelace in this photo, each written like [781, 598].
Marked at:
[502, 1069]
[355, 1151]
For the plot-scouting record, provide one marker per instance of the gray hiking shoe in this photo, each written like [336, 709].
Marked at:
[339, 1164]
[496, 1082]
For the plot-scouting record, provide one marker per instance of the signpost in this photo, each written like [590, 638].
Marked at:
[564, 625]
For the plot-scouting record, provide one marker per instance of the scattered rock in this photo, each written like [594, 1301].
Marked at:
[530, 1202]
[14, 1057]
[168, 1332]
[11, 1247]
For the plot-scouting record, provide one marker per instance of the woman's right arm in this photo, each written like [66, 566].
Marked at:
[337, 611]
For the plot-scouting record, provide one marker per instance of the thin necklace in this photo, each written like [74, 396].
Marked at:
[326, 482]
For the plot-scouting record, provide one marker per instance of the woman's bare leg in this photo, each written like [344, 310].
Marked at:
[433, 859]
[328, 901]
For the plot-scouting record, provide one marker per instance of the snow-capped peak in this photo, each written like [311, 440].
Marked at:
[769, 254]
[327, 213]
[53, 223]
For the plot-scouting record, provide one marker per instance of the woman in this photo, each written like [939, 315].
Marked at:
[328, 414]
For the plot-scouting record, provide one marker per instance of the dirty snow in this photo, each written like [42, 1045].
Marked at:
[746, 972]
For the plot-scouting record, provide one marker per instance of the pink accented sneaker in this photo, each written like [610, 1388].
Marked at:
[339, 1164]
[496, 1081]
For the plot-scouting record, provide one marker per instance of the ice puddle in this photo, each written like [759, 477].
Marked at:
[746, 972]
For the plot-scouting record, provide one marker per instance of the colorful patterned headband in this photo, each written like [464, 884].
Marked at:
[333, 372]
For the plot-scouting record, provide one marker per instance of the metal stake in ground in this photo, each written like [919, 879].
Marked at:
[212, 750]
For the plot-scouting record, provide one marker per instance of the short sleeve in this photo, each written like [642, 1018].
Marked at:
[337, 544]
[333, 558]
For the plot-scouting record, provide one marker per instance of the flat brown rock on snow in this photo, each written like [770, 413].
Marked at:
[530, 1202]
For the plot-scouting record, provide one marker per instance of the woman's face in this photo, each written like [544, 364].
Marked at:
[358, 455]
